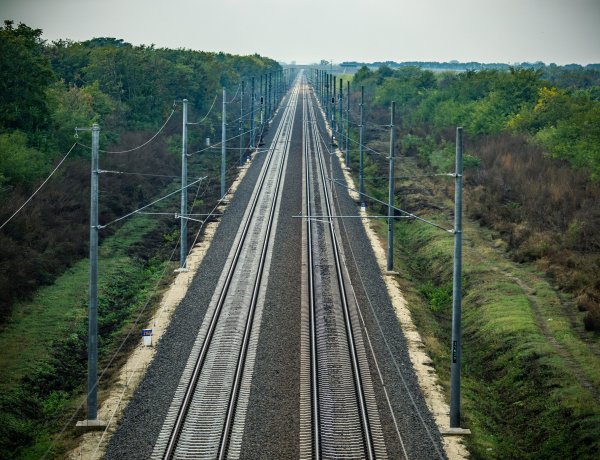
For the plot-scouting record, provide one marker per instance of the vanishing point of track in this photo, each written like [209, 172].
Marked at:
[206, 417]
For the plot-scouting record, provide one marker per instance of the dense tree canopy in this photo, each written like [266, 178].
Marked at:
[558, 107]
[25, 74]
[46, 90]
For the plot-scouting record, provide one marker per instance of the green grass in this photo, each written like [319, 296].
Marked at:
[55, 309]
[44, 344]
[520, 397]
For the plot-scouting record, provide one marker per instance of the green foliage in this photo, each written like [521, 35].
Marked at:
[573, 77]
[517, 89]
[438, 298]
[30, 412]
[471, 85]
[470, 161]
[107, 81]
[363, 74]
[488, 116]
[439, 112]
[404, 93]
[77, 107]
[576, 139]
[25, 73]
[490, 102]
[442, 158]
[19, 164]
[566, 124]
[143, 80]
[68, 59]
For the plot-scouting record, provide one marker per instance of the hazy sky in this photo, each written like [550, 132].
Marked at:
[560, 31]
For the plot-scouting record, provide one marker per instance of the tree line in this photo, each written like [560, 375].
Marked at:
[48, 89]
[533, 156]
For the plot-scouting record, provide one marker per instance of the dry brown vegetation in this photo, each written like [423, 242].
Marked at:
[546, 211]
[53, 232]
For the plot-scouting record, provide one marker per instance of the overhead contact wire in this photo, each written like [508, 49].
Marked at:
[148, 205]
[39, 188]
[207, 114]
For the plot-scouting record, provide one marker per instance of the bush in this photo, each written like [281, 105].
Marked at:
[19, 164]
[439, 298]
[591, 320]
[30, 411]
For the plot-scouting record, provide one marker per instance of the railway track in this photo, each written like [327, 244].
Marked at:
[206, 417]
[339, 414]
[282, 362]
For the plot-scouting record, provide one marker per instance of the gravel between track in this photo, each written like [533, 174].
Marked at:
[272, 421]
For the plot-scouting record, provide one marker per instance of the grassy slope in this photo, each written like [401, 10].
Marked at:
[531, 380]
[58, 313]
[57, 308]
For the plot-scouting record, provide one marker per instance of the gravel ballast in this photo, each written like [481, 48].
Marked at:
[418, 431]
[272, 420]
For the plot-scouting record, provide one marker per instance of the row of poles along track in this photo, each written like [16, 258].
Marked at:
[264, 96]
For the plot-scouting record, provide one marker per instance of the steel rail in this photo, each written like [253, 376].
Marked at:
[362, 405]
[288, 120]
[190, 389]
[311, 287]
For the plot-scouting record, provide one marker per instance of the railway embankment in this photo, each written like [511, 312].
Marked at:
[530, 378]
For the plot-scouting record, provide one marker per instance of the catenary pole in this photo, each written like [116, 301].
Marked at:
[252, 116]
[269, 96]
[241, 125]
[457, 287]
[321, 86]
[333, 109]
[184, 192]
[327, 100]
[92, 383]
[361, 166]
[223, 144]
[323, 89]
[262, 111]
[340, 119]
[320, 81]
[390, 241]
[347, 124]
[276, 92]
[262, 101]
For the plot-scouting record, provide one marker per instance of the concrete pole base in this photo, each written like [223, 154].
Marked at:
[455, 432]
[91, 425]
